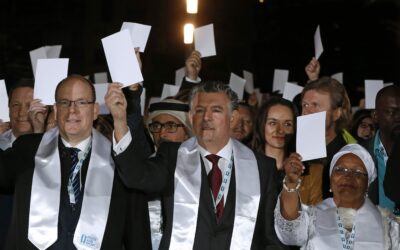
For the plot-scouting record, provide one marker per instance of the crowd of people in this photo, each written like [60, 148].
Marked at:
[200, 170]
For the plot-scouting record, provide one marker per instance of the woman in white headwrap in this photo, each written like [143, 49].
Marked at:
[349, 220]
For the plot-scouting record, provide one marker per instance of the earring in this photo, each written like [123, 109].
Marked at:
[330, 190]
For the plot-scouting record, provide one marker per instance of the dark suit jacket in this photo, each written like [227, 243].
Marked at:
[392, 175]
[127, 222]
[156, 175]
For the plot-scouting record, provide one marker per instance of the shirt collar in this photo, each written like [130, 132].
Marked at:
[225, 152]
[81, 146]
[378, 146]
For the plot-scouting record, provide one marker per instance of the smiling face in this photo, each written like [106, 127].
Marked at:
[210, 116]
[349, 190]
[279, 123]
[19, 105]
[75, 123]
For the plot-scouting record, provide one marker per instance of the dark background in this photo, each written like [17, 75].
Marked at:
[360, 37]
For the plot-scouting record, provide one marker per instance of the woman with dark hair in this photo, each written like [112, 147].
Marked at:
[274, 129]
[363, 127]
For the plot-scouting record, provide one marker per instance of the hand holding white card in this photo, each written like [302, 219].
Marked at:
[249, 87]
[237, 83]
[310, 136]
[204, 41]
[318, 43]
[4, 114]
[101, 91]
[49, 72]
[281, 77]
[291, 91]
[372, 87]
[139, 34]
[121, 59]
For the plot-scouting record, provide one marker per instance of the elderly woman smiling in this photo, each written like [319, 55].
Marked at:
[349, 220]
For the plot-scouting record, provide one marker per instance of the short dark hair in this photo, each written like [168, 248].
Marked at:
[387, 91]
[77, 77]
[21, 83]
[338, 95]
[215, 87]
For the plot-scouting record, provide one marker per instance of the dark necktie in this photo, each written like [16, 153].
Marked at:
[215, 180]
[74, 182]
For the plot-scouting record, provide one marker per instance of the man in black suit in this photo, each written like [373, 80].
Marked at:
[217, 193]
[66, 193]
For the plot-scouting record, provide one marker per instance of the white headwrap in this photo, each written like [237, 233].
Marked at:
[361, 153]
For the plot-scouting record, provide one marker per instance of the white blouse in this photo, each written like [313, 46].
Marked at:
[317, 228]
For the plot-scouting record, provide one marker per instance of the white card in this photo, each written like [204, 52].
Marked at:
[372, 87]
[291, 90]
[318, 43]
[100, 77]
[53, 51]
[388, 84]
[4, 112]
[310, 136]
[179, 75]
[101, 91]
[44, 52]
[204, 41]
[121, 59]
[139, 34]
[142, 101]
[249, 87]
[49, 73]
[338, 77]
[281, 77]
[169, 90]
[237, 83]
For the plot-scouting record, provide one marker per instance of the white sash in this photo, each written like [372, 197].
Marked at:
[187, 196]
[45, 195]
[369, 227]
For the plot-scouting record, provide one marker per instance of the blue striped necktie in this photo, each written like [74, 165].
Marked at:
[75, 182]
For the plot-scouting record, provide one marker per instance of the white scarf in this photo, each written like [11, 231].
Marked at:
[45, 194]
[187, 196]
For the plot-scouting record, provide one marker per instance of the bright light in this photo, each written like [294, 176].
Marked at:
[191, 6]
[188, 33]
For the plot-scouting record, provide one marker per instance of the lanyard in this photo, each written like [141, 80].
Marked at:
[81, 156]
[347, 243]
[225, 179]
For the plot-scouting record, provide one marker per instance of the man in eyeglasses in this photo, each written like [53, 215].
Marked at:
[168, 121]
[67, 194]
[217, 193]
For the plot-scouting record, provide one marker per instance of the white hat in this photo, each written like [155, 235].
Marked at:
[176, 108]
[361, 153]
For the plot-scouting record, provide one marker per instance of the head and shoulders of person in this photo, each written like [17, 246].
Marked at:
[168, 121]
[387, 117]
[20, 97]
[327, 94]
[75, 110]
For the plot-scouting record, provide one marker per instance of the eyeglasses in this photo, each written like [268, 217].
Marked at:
[342, 171]
[170, 127]
[64, 103]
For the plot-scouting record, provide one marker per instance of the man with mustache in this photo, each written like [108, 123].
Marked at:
[217, 193]
[387, 116]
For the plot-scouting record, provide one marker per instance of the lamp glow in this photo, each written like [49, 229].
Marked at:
[188, 33]
[191, 6]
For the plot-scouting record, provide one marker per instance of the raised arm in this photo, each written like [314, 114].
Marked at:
[313, 69]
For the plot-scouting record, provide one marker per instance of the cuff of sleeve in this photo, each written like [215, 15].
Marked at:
[198, 79]
[120, 147]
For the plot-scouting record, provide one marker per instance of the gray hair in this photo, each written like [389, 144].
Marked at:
[215, 87]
